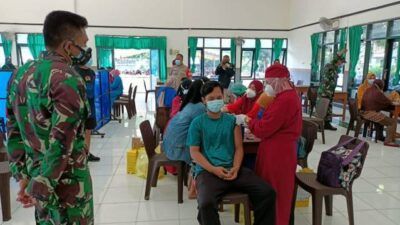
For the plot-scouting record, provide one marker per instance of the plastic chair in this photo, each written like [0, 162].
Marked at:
[312, 94]
[147, 91]
[128, 102]
[158, 160]
[5, 183]
[320, 114]
[162, 118]
[309, 132]
[236, 198]
[308, 181]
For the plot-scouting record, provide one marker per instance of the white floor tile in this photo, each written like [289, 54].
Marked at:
[117, 213]
[123, 194]
[379, 200]
[158, 210]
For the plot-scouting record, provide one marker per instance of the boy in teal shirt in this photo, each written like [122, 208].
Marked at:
[216, 146]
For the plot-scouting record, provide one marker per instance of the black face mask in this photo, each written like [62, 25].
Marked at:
[83, 57]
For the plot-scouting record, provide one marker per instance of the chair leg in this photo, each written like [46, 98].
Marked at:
[237, 213]
[181, 172]
[317, 209]
[323, 133]
[154, 174]
[147, 94]
[358, 128]
[221, 207]
[5, 196]
[350, 211]
[350, 126]
[247, 213]
[328, 205]
[148, 182]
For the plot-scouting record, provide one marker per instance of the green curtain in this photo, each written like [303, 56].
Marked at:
[277, 48]
[315, 38]
[256, 55]
[104, 56]
[192, 42]
[130, 42]
[36, 44]
[7, 45]
[354, 49]
[233, 51]
[396, 77]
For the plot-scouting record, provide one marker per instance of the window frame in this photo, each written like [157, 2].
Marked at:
[203, 48]
[253, 73]
[18, 47]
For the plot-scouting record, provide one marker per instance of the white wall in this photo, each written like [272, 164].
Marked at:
[303, 12]
[254, 14]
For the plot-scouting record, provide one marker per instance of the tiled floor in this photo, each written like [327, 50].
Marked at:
[119, 197]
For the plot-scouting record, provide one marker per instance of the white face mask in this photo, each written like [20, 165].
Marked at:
[185, 91]
[371, 81]
[250, 93]
[269, 90]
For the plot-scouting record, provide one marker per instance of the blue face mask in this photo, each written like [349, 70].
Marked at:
[177, 62]
[215, 106]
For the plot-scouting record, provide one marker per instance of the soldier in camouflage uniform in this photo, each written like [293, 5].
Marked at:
[47, 109]
[328, 84]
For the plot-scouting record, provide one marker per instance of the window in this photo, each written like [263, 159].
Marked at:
[23, 52]
[376, 58]
[264, 60]
[209, 53]
[2, 56]
[327, 49]
[395, 29]
[360, 66]
[393, 63]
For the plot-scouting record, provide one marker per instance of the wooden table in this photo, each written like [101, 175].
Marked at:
[341, 97]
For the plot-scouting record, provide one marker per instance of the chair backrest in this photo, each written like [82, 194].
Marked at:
[134, 93]
[321, 109]
[309, 132]
[312, 94]
[363, 151]
[145, 86]
[130, 91]
[353, 109]
[148, 138]
[162, 117]
[3, 151]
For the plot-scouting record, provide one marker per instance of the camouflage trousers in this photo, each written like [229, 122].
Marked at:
[81, 214]
[328, 117]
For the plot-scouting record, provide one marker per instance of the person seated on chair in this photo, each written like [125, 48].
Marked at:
[180, 95]
[244, 104]
[116, 87]
[216, 147]
[374, 101]
[368, 82]
[175, 135]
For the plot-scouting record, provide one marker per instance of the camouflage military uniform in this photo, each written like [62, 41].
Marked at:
[47, 108]
[328, 85]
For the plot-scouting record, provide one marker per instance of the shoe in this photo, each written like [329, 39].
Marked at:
[391, 144]
[329, 126]
[93, 158]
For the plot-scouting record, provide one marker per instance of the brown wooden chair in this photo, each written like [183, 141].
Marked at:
[128, 103]
[236, 198]
[5, 183]
[162, 117]
[356, 117]
[148, 91]
[309, 132]
[158, 160]
[312, 95]
[320, 114]
[308, 181]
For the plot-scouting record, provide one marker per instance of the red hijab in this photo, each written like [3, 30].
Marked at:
[249, 102]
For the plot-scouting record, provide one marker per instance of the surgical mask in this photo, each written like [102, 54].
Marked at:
[371, 81]
[250, 93]
[269, 90]
[84, 56]
[90, 62]
[177, 62]
[185, 91]
[215, 106]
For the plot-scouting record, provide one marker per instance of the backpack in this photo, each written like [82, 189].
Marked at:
[338, 166]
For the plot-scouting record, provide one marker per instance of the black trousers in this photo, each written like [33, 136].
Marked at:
[210, 190]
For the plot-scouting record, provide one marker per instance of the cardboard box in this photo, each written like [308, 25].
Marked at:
[137, 143]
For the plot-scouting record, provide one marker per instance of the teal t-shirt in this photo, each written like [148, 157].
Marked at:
[216, 139]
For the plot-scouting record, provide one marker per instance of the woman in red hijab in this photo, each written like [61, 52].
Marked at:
[279, 129]
[244, 104]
